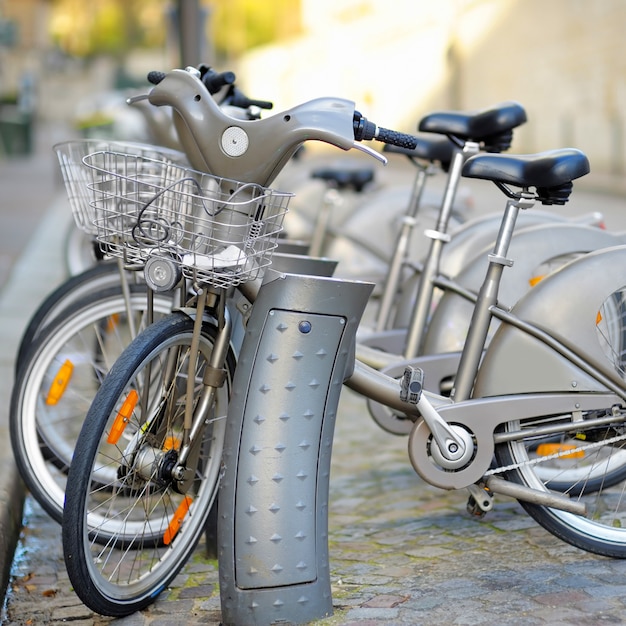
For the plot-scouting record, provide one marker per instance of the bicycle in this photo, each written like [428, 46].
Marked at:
[81, 327]
[156, 354]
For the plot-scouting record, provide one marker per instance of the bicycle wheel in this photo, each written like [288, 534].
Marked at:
[81, 251]
[58, 380]
[129, 526]
[100, 277]
[587, 466]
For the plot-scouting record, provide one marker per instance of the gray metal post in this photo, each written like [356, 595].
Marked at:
[273, 501]
[191, 20]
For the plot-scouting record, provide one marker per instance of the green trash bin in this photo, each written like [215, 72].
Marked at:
[16, 132]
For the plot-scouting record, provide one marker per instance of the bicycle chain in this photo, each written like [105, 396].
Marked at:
[555, 455]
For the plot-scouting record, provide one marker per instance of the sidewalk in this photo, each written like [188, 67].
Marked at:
[401, 552]
[33, 215]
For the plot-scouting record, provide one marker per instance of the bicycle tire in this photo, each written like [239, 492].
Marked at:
[603, 530]
[117, 568]
[102, 276]
[75, 350]
[80, 250]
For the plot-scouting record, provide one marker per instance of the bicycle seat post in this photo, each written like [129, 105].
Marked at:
[438, 237]
[401, 248]
[551, 174]
[330, 200]
[488, 297]
[490, 129]
[336, 179]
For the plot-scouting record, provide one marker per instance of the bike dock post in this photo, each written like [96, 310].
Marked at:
[273, 501]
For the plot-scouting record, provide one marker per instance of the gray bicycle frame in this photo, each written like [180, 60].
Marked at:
[450, 323]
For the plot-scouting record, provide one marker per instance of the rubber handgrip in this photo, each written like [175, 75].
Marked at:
[155, 77]
[214, 81]
[395, 138]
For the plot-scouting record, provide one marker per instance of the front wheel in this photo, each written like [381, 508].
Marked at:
[128, 525]
[589, 466]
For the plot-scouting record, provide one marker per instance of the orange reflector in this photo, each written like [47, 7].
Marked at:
[112, 322]
[535, 279]
[545, 449]
[123, 417]
[171, 443]
[598, 318]
[177, 520]
[60, 382]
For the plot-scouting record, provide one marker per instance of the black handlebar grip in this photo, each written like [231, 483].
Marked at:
[394, 138]
[238, 99]
[214, 81]
[155, 77]
[262, 104]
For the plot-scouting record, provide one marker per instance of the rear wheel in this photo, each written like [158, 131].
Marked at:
[589, 466]
[129, 525]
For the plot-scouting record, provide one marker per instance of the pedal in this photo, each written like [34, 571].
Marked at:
[412, 385]
[480, 501]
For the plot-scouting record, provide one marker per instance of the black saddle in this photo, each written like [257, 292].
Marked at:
[345, 178]
[493, 127]
[551, 172]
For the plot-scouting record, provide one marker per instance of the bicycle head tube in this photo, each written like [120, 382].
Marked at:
[248, 150]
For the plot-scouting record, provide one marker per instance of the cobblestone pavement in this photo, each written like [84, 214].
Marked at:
[401, 552]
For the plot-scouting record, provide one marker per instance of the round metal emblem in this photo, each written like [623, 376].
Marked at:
[234, 141]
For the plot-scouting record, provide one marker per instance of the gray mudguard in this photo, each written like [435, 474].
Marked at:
[530, 248]
[566, 305]
[273, 501]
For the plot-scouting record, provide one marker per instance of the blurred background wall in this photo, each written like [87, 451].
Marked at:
[397, 59]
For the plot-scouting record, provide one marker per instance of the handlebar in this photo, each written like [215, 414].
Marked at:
[256, 150]
[211, 79]
[214, 82]
[365, 130]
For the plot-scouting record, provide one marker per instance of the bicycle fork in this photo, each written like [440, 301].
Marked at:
[273, 501]
[179, 470]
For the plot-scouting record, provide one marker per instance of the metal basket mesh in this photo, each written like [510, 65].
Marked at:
[219, 231]
[77, 176]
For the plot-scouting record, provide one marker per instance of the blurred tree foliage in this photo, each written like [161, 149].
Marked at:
[86, 29]
[239, 25]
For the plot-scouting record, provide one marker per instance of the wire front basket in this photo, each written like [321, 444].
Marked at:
[77, 176]
[218, 231]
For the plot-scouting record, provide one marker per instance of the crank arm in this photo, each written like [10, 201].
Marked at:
[451, 445]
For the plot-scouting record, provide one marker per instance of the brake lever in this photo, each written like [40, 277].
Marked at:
[139, 98]
[371, 152]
